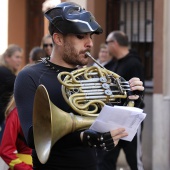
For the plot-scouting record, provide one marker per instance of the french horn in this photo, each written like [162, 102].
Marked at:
[86, 91]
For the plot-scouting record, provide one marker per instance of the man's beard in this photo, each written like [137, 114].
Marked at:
[71, 55]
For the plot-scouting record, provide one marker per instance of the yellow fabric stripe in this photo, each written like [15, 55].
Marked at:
[21, 158]
[14, 162]
[25, 158]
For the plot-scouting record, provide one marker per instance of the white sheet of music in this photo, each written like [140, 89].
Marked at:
[111, 118]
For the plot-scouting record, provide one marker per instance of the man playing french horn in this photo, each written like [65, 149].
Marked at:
[58, 144]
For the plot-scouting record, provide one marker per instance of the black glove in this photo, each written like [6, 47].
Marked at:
[95, 139]
[135, 92]
[139, 102]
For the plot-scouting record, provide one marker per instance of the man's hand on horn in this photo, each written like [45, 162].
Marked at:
[137, 87]
[105, 141]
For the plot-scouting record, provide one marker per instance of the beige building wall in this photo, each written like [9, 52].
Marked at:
[12, 16]
[161, 96]
[17, 25]
[4, 25]
[166, 49]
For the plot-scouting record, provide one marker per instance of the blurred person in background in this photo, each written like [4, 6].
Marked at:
[104, 58]
[36, 54]
[47, 45]
[10, 63]
[14, 150]
[127, 65]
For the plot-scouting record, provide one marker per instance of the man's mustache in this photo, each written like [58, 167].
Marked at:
[84, 51]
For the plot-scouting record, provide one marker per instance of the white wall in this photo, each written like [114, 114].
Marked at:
[161, 133]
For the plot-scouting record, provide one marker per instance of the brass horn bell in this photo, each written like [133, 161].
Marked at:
[51, 123]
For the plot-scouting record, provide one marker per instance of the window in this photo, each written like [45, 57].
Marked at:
[135, 18]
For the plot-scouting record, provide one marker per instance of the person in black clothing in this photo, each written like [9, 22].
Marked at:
[71, 28]
[127, 65]
[10, 62]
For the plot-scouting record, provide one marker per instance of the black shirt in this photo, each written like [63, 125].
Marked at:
[129, 66]
[68, 152]
[7, 79]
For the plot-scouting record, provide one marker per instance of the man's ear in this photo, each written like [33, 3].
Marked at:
[58, 38]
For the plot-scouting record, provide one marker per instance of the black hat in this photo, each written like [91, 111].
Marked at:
[69, 17]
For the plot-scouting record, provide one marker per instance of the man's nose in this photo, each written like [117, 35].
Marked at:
[89, 42]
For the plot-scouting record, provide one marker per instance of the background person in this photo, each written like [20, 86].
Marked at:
[71, 40]
[36, 54]
[47, 45]
[10, 62]
[14, 150]
[127, 65]
[104, 58]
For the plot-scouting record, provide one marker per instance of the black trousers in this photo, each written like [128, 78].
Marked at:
[132, 150]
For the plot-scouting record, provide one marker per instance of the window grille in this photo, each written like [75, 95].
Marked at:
[135, 18]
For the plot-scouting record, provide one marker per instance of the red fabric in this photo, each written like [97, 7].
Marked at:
[12, 142]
